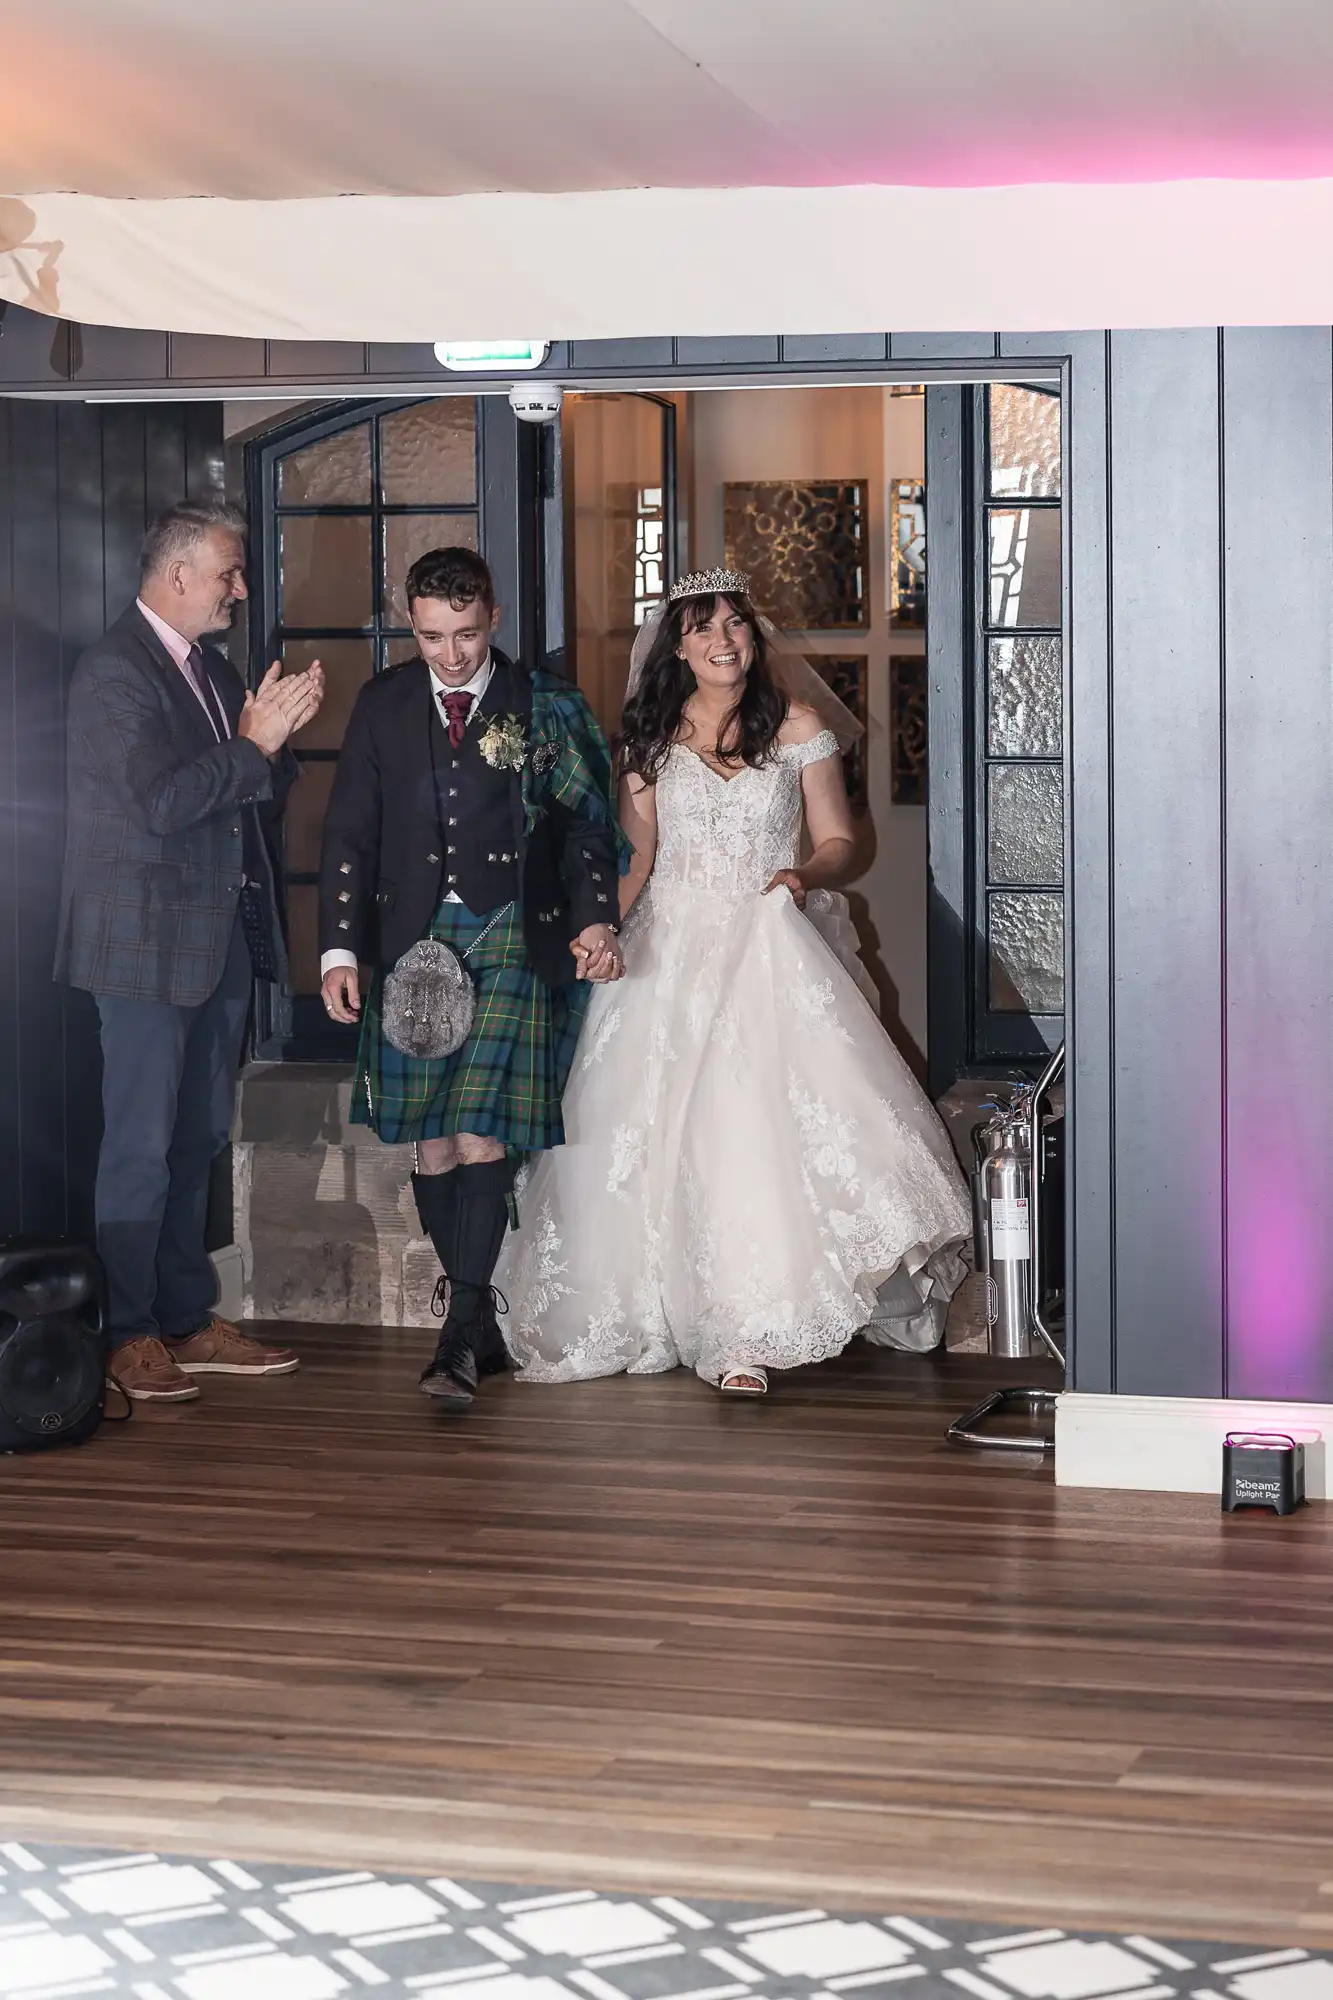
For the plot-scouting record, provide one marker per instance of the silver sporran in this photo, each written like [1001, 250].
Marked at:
[429, 1001]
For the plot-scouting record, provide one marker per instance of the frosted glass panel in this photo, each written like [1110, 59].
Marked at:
[1027, 953]
[303, 820]
[407, 536]
[1024, 443]
[428, 454]
[1024, 566]
[1026, 823]
[334, 472]
[1025, 698]
[325, 569]
[346, 664]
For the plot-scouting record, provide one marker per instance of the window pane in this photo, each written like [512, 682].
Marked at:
[1025, 823]
[303, 821]
[428, 454]
[346, 664]
[407, 536]
[324, 569]
[1024, 566]
[1025, 698]
[398, 650]
[1027, 954]
[1024, 442]
[335, 472]
[303, 936]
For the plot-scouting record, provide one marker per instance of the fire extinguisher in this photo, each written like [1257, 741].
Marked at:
[1006, 1201]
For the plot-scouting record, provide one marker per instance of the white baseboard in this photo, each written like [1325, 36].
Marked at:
[1170, 1444]
[230, 1267]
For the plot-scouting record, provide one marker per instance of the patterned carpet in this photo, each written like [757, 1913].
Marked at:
[75, 1923]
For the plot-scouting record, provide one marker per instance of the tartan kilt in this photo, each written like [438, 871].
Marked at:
[507, 1080]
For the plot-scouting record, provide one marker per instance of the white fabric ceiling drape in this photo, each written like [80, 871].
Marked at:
[402, 170]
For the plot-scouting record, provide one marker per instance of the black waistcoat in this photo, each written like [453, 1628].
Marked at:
[479, 806]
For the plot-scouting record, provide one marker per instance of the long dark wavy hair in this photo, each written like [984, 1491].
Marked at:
[652, 717]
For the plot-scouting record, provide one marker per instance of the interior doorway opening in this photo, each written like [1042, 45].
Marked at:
[911, 540]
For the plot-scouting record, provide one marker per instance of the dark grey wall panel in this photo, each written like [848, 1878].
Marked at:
[34, 350]
[942, 346]
[308, 360]
[651, 353]
[835, 347]
[1278, 803]
[212, 357]
[382, 358]
[737, 351]
[1165, 831]
[119, 354]
[76, 483]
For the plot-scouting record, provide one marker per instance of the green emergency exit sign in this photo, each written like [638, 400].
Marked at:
[485, 355]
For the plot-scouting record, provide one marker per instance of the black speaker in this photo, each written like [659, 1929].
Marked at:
[53, 1344]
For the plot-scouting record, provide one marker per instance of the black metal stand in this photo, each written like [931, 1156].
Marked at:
[966, 1430]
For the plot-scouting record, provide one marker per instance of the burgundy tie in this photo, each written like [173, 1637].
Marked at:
[207, 693]
[457, 707]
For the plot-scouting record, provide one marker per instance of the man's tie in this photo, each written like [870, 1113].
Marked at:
[194, 666]
[457, 707]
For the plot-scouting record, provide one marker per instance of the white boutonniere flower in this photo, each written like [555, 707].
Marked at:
[504, 744]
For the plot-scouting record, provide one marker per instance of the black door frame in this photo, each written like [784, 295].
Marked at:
[39, 358]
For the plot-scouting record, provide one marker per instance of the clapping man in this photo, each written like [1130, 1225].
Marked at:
[168, 914]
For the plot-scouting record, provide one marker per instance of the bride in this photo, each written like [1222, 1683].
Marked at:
[750, 1170]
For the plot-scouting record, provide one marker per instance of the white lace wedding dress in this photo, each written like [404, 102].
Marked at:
[750, 1173]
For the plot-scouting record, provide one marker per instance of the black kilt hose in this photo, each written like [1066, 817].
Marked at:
[507, 1080]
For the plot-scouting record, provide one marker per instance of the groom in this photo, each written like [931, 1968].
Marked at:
[472, 803]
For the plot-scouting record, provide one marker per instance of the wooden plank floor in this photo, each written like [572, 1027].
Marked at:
[629, 1635]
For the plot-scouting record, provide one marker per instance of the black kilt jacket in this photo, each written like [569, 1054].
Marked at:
[409, 819]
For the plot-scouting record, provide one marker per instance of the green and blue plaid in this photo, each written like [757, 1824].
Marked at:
[506, 1081]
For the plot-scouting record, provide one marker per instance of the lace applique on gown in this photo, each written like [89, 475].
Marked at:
[751, 1172]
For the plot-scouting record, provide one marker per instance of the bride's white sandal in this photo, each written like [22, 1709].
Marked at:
[741, 1382]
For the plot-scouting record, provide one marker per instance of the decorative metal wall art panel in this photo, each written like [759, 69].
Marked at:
[802, 543]
[907, 555]
[907, 722]
[847, 675]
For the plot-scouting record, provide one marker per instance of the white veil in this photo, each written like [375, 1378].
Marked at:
[787, 663]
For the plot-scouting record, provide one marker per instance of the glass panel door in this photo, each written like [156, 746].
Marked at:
[344, 504]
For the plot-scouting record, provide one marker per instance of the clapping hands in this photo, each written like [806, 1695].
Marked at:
[281, 706]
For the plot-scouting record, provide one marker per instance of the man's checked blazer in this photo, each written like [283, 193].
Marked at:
[155, 830]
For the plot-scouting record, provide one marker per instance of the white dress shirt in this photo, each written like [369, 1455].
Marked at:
[180, 649]
[476, 687]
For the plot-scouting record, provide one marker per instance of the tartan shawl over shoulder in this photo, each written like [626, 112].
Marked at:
[568, 760]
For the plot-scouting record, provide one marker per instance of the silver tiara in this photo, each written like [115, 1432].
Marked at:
[710, 583]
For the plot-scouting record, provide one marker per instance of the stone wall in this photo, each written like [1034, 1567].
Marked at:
[325, 1218]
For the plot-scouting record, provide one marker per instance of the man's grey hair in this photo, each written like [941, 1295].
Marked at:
[178, 531]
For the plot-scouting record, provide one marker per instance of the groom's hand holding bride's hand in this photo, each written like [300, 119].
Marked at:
[787, 878]
[597, 955]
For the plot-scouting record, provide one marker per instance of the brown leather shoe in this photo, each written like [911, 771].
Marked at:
[144, 1371]
[222, 1349]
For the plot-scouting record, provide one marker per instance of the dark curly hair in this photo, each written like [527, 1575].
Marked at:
[457, 575]
[652, 716]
